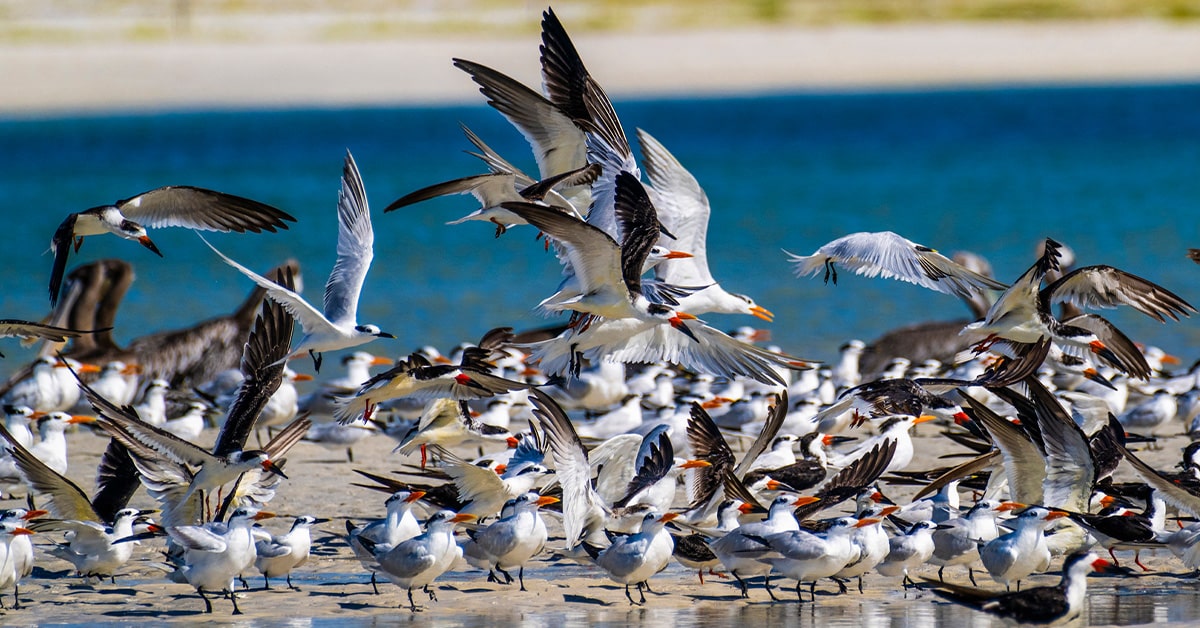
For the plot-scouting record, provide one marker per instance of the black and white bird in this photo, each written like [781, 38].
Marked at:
[170, 206]
[1044, 606]
[279, 554]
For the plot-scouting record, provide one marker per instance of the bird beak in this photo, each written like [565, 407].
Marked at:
[1008, 506]
[84, 368]
[773, 484]
[149, 511]
[1055, 514]
[132, 369]
[414, 496]
[1170, 359]
[1107, 500]
[34, 514]
[677, 322]
[39, 414]
[501, 468]
[1095, 376]
[924, 418]
[668, 517]
[683, 255]
[267, 465]
[19, 531]
[302, 377]
[695, 464]
[512, 441]
[546, 500]
[862, 523]
[146, 242]
[715, 402]
[763, 313]
[441, 359]
[888, 510]
[380, 361]
[961, 418]
[263, 515]
[384, 334]
[746, 509]
[463, 516]
[805, 500]
[81, 418]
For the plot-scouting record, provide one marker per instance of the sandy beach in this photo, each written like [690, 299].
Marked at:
[190, 73]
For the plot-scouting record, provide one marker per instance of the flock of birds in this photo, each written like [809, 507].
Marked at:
[627, 425]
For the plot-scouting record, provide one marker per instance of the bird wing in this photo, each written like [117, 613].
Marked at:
[557, 143]
[1070, 469]
[28, 329]
[683, 209]
[594, 255]
[1108, 287]
[709, 445]
[652, 467]
[198, 208]
[309, 318]
[197, 538]
[263, 357]
[639, 226]
[607, 146]
[776, 415]
[355, 249]
[64, 499]
[892, 256]
[61, 245]
[581, 505]
[1024, 465]
[489, 189]
[1171, 492]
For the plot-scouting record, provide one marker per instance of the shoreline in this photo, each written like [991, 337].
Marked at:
[91, 77]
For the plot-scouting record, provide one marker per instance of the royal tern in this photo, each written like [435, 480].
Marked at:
[215, 553]
[634, 558]
[10, 576]
[512, 540]
[957, 542]
[20, 548]
[909, 550]
[51, 450]
[280, 554]
[338, 327]
[741, 551]
[1040, 605]
[807, 557]
[1012, 557]
[170, 206]
[894, 257]
[397, 526]
[417, 562]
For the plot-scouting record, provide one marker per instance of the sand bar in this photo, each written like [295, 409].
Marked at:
[188, 73]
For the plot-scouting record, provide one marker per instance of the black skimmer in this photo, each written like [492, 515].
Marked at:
[170, 206]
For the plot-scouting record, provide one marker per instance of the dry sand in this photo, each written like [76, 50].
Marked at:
[335, 588]
[44, 79]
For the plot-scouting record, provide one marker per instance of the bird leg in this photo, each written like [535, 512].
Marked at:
[629, 597]
[508, 579]
[1137, 560]
[742, 585]
[715, 573]
[349, 455]
[830, 271]
[492, 577]
[812, 590]
[971, 575]
[289, 582]
[1116, 563]
[767, 586]
[521, 577]
[841, 585]
[375, 587]
[16, 597]
[316, 358]
[860, 588]
[266, 582]
[940, 570]
[233, 598]
[641, 594]
[500, 228]
[424, 456]
[412, 606]
[207, 603]
[700, 573]
[431, 594]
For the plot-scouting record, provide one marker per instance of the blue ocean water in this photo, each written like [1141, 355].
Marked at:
[1112, 171]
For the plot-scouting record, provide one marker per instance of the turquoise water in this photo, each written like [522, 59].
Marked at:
[1113, 172]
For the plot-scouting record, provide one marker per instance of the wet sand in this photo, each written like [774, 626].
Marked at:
[334, 588]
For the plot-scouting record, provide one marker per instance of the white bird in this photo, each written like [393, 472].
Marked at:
[170, 206]
[322, 401]
[894, 257]
[397, 526]
[215, 553]
[280, 554]
[807, 557]
[957, 542]
[153, 408]
[338, 327]
[188, 425]
[10, 576]
[743, 555]
[1151, 414]
[117, 382]
[92, 546]
[21, 547]
[634, 558]
[684, 210]
[17, 420]
[51, 450]
[909, 550]
[625, 417]
[50, 387]
[417, 562]
[512, 540]
[894, 429]
[1012, 557]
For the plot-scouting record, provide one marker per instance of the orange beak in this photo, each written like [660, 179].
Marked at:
[924, 418]
[380, 361]
[1056, 514]
[1107, 500]
[961, 418]
[1170, 359]
[81, 418]
[512, 441]
[34, 514]
[745, 508]
[668, 517]
[806, 500]
[763, 313]
[546, 500]
[1009, 506]
[264, 515]
[302, 377]
[889, 510]
[827, 440]
[463, 516]
[132, 369]
[84, 368]
[862, 523]
[695, 464]
[414, 496]
[20, 531]
[677, 255]
[772, 484]
[501, 468]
